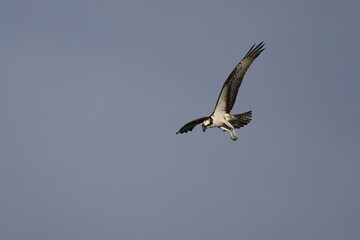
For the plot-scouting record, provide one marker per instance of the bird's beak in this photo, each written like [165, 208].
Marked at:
[204, 128]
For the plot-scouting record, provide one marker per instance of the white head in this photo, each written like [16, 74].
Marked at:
[206, 124]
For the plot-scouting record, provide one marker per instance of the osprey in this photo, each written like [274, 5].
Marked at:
[221, 116]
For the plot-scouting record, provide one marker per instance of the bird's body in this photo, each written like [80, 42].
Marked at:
[221, 116]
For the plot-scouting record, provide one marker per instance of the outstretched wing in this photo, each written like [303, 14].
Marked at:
[231, 86]
[190, 126]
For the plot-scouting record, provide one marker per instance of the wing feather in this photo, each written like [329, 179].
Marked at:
[190, 125]
[229, 91]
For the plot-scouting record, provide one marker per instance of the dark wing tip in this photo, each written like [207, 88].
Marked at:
[255, 51]
[183, 130]
[190, 125]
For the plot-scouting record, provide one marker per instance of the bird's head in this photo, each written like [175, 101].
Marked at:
[206, 124]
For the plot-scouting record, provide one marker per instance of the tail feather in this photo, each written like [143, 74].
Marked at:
[241, 119]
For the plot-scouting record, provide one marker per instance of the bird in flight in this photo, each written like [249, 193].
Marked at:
[221, 116]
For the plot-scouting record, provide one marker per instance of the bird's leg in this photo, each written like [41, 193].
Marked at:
[235, 137]
[231, 132]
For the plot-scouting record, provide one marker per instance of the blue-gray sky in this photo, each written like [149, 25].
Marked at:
[92, 93]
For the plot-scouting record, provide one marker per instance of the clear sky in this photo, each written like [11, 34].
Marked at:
[92, 93]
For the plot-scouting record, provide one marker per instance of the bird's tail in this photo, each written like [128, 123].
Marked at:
[240, 120]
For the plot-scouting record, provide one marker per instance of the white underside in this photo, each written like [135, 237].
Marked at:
[222, 121]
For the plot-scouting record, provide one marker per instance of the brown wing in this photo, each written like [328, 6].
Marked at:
[240, 120]
[190, 125]
[231, 85]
